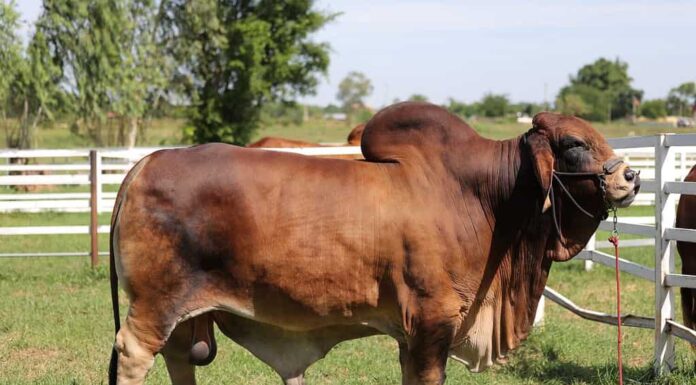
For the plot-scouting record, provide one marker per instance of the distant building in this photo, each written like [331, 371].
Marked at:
[524, 118]
[339, 116]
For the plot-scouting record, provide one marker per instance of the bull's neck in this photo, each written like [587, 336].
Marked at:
[516, 257]
[508, 182]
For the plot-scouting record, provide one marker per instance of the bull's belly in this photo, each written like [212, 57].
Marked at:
[300, 305]
[288, 352]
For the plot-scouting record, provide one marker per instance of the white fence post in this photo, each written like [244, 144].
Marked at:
[665, 213]
[100, 187]
[95, 202]
[539, 315]
[591, 246]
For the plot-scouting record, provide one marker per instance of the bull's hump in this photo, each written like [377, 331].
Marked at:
[410, 130]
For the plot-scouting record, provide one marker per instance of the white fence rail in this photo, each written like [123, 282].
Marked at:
[663, 161]
[50, 168]
[72, 167]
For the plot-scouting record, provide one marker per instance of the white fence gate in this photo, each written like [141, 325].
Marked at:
[663, 160]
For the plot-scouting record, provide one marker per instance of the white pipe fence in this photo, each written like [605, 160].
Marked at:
[663, 161]
[51, 168]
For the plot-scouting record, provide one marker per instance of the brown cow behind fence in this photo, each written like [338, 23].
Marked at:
[686, 218]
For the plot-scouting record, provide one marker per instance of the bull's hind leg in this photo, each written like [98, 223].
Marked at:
[176, 355]
[136, 346]
[191, 344]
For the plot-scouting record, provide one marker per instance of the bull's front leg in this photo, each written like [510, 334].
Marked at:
[424, 356]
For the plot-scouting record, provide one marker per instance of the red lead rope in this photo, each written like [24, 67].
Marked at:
[614, 239]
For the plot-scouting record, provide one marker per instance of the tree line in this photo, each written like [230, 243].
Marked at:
[600, 91]
[108, 65]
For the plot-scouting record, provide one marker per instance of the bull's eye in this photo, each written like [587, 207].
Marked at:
[574, 153]
[569, 143]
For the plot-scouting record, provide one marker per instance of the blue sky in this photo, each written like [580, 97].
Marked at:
[463, 49]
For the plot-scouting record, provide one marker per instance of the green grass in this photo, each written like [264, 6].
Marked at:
[56, 328]
[50, 243]
[169, 132]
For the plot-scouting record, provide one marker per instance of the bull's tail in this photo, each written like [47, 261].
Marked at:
[114, 304]
[113, 277]
[688, 300]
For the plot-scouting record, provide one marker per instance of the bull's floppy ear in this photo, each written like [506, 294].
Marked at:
[542, 158]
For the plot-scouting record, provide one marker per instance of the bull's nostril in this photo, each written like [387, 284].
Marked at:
[629, 174]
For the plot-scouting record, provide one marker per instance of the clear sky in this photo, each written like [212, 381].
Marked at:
[463, 49]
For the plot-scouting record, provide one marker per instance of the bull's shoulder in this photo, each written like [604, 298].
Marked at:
[409, 129]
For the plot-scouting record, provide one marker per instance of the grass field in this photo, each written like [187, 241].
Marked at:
[56, 328]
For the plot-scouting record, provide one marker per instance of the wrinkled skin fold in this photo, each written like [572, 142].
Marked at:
[441, 239]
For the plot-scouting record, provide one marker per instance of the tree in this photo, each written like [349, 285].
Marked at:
[460, 108]
[526, 108]
[418, 98]
[144, 69]
[682, 99]
[108, 60]
[584, 101]
[571, 104]
[11, 62]
[29, 85]
[283, 113]
[654, 109]
[35, 91]
[604, 75]
[237, 56]
[604, 87]
[353, 90]
[493, 105]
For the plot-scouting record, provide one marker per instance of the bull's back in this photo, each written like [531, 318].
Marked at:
[278, 232]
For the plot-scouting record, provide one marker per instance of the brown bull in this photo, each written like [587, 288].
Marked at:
[355, 135]
[686, 218]
[275, 142]
[441, 239]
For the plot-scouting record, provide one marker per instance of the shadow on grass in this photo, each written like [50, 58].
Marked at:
[544, 366]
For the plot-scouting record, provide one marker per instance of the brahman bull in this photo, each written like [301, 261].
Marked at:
[441, 239]
[686, 218]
